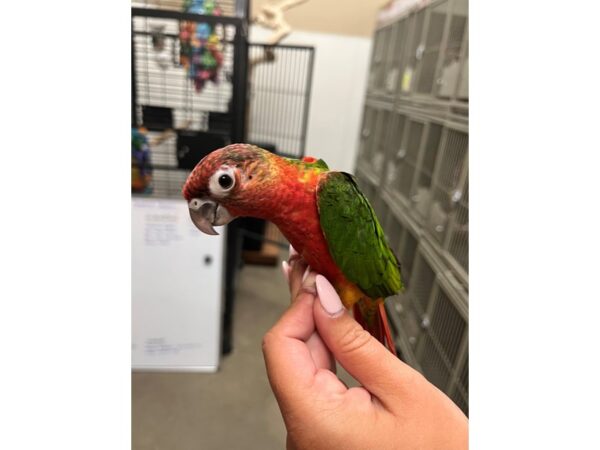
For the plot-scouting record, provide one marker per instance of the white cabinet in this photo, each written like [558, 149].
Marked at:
[177, 285]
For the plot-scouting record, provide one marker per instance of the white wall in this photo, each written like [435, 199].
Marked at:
[338, 91]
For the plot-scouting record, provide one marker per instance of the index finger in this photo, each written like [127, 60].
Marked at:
[290, 366]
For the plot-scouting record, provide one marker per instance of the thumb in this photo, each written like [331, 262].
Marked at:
[363, 356]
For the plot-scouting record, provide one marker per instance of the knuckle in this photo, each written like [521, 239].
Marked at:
[354, 339]
[269, 340]
[304, 295]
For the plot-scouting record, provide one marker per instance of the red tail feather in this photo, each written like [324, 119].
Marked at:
[374, 320]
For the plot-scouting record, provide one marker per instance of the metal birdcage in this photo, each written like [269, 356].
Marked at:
[370, 128]
[409, 154]
[394, 149]
[379, 59]
[375, 137]
[182, 121]
[442, 346]
[413, 52]
[436, 27]
[452, 76]
[421, 283]
[458, 232]
[448, 180]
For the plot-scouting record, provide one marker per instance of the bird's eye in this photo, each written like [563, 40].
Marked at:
[222, 181]
[225, 181]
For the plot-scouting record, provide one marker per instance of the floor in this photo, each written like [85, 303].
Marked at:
[231, 409]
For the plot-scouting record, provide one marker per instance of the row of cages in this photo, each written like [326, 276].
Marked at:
[421, 163]
[430, 318]
[424, 55]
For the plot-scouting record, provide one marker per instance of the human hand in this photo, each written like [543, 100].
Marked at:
[395, 408]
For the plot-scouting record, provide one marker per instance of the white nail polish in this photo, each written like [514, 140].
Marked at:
[328, 297]
[286, 270]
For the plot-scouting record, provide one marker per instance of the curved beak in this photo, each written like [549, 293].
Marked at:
[206, 213]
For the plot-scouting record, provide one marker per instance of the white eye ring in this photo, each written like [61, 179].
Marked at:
[222, 181]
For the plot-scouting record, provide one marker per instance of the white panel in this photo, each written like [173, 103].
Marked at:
[177, 284]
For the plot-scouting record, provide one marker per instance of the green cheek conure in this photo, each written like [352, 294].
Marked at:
[322, 213]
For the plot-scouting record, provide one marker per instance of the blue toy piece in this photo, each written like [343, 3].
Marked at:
[203, 31]
[196, 7]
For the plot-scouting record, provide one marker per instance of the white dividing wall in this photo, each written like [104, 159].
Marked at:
[337, 96]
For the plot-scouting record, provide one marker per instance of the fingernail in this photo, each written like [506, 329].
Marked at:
[308, 282]
[293, 252]
[286, 270]
[306, 272]
[330, 300]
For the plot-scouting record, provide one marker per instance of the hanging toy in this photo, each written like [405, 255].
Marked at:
[203, 31]
[141, 171]
[201, 52]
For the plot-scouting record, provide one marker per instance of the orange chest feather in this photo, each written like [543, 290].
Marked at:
[298, 219]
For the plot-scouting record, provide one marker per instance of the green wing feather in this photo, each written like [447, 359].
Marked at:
[355, 238]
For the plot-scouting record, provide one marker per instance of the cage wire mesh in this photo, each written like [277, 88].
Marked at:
[394, 149]
[432, 362]
[367, 134]
[387, 69]
[446, 183]
[399, 51]
[462, 92]
[458, 246]
[421, 195]
[460, 395]
[280, 81]
[377, 60]
[435, 32]
[441, 350]
[377, 140]
[416, 115]
[413, 55]
[407, 253]
[409, 155]
[165, 83]
[452, 59]
[421, 284]
[447, 325]
[383, 133]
